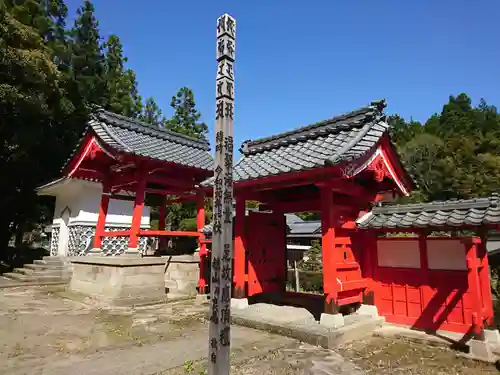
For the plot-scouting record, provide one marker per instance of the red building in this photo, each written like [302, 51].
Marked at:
[339, 167]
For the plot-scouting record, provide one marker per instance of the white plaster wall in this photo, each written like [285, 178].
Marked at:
[83, 198]
[69, 200]
[398, 253]
[119, 212]
[446, 255]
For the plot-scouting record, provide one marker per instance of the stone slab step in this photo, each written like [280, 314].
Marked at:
[16, 276]
[23, 271]
[41, 267]
[49, 257]
[48, 262]
[38, 278]
[9, 283]
[46, 273]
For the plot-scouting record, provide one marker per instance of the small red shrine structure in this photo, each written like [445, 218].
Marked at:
[134, 161]
[341, 167]
[338, 167]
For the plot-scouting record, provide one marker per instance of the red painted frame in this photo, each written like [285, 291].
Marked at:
[432, 300]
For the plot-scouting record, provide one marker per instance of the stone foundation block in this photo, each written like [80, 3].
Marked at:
[120, 281]
[370, 310]
[492, 336]
[481, 350]
[239, 303]
[182, 274]
[332, 321]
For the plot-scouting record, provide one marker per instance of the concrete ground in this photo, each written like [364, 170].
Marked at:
[47, 330]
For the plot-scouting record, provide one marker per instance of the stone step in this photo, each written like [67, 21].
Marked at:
[17, 276]
[50, 257]
[51, 264]
[38, 278]
[47, 273]
[41, 267]
[54, 260]
[23, 271]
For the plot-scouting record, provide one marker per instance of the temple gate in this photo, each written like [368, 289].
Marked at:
[267, 253]
[342, 167]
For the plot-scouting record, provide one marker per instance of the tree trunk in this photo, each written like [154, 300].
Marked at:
[19, 238]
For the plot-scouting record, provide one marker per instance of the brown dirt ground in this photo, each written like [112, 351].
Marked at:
[37, 324]
[379, 355]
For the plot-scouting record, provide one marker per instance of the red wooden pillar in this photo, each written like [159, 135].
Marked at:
[484, 279]
[101, 220]
[328, 249]
[200, 223]
[369, 241]
[475, 290]
[239, 250]
[424, 269]
[162, 240]
[137, 216]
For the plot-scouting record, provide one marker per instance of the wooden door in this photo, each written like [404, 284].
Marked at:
[266, 234]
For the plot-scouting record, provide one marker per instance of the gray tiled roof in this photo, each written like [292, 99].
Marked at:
[342, 138]
[292, 218]
[455, 213]
[305, 228]
[133, 136]
[329, 142]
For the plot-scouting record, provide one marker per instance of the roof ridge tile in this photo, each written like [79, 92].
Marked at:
[347, 121]
[148, 129]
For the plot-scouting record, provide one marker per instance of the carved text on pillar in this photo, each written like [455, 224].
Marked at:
[222, 241]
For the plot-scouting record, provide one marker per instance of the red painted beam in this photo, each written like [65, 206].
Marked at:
[154, 233]
[170, 192]
[120, 197]
[345, 187]
[169, 181]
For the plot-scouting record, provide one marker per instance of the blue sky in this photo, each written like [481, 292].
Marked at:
[299, 62]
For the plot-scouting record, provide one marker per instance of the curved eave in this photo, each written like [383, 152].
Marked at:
[53, 187]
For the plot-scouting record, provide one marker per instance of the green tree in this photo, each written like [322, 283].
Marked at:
[186, 117]
[87, 60]
[30, 101]
[455, 154]
[152, 113]
[121, 86]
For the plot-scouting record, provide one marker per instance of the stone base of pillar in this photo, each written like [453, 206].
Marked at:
[481, 350]
[332, 320]
[492, 336]
[239, 303]
[370, 310]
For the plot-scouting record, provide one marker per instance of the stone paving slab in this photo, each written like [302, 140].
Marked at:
[298, 323]
[149, 359]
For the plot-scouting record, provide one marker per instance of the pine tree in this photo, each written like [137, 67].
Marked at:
[121, 86]
[30, 96]
[152, 113]
[186, 116]
[136, 109]
[87, 60]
